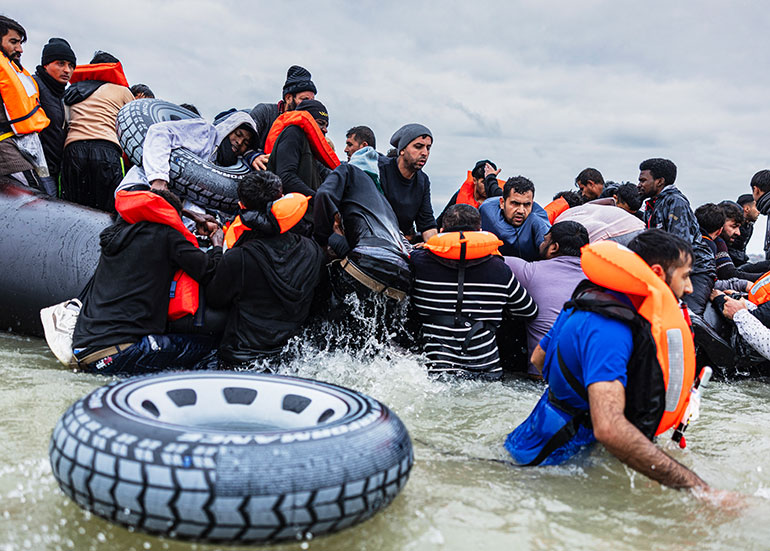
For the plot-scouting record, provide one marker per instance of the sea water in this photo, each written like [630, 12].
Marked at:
[459, 496]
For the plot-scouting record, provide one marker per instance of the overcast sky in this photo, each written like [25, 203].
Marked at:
[544, 89]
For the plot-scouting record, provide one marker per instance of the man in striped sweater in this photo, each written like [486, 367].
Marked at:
[460, 304]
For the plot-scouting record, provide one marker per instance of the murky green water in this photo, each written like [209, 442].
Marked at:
[452, 501]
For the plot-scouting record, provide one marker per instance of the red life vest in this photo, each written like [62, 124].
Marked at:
[145, 206]
[555, 208]
[108, 72]
[288, 211]
[466, 196]
[21, 99]
[318, 144]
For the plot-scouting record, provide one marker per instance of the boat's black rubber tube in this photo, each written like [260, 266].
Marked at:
[49, 248]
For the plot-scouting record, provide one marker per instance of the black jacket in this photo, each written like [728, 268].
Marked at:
[267, 283]
[367, 217]
[53, 135]
[410, 199]
[264, 115]
[292, 160]
[129, 293]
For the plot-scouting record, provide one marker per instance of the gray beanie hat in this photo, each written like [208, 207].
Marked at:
[408, 133]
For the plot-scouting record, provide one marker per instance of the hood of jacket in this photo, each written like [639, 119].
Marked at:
[116, 237]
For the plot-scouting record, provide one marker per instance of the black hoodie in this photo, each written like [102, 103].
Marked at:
[129, 293]
[267, 280]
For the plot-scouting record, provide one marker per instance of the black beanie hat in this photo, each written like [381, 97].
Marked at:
[315, 108]
[57, 49]
[298, 80]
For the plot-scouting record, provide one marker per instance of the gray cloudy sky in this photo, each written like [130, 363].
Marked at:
[544, 89]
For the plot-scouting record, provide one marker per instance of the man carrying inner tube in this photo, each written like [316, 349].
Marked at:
[266, 279]
[585, 359]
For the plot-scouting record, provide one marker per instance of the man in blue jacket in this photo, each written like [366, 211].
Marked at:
[514, 217]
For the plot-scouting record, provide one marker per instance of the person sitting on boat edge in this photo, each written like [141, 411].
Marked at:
[585, 359]
[122, 325]
[461, 291]
[473, 190]
[267, 277]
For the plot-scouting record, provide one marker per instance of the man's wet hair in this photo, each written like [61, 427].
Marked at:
[171, 198]
[518, 184]
[259, 188]
[461, 217]
[8, 24]
[761, 180]
[363, 134]
[660, 247]
[733, 211]
[590, 174]
[710, 217]
[573, 198]
[745, 199]
[104, 57]
[571, 237]
[629, 194]
[660, 168]
[190, 107]
[480, 166]
[142, 89]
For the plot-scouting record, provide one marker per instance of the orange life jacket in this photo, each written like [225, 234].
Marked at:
[21, 99]
[555, 208]
[615, 267]
[318, 144]
[759, 293]
[477, 244]
[287, 211]
[465, 196]
[108, 72]
[145, 206]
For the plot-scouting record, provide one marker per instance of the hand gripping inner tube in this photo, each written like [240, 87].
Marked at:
[230, 457]
[197, 179]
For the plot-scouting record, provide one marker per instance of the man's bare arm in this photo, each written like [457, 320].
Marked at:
[607, 400]
[538, 358]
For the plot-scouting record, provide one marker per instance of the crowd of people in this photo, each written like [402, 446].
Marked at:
[182, 285]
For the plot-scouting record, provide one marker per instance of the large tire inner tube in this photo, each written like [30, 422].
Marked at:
[230, 457]
[49, 249]
[202, 182]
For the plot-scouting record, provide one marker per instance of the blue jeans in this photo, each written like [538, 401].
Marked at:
[157, 353]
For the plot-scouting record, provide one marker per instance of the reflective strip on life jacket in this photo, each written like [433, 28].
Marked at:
[21, 99]
[318, 144]
[555, 208]
[145, 206]
[478, 244]
[759, 293]
[615, 267]
[107, 72]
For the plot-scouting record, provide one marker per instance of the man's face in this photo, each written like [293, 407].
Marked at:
[750, 212]
[60, 70]
[240, 139]
[730, 230]
[293, 100]
[649, 186]
[415, 155]
[590, 190]
[323, 124]
[352, 144]
[480, 190]
[516, 207]
[679, 279]
[11, 45]
[548, 247]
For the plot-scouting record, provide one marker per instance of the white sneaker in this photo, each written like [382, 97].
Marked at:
[59, 324]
